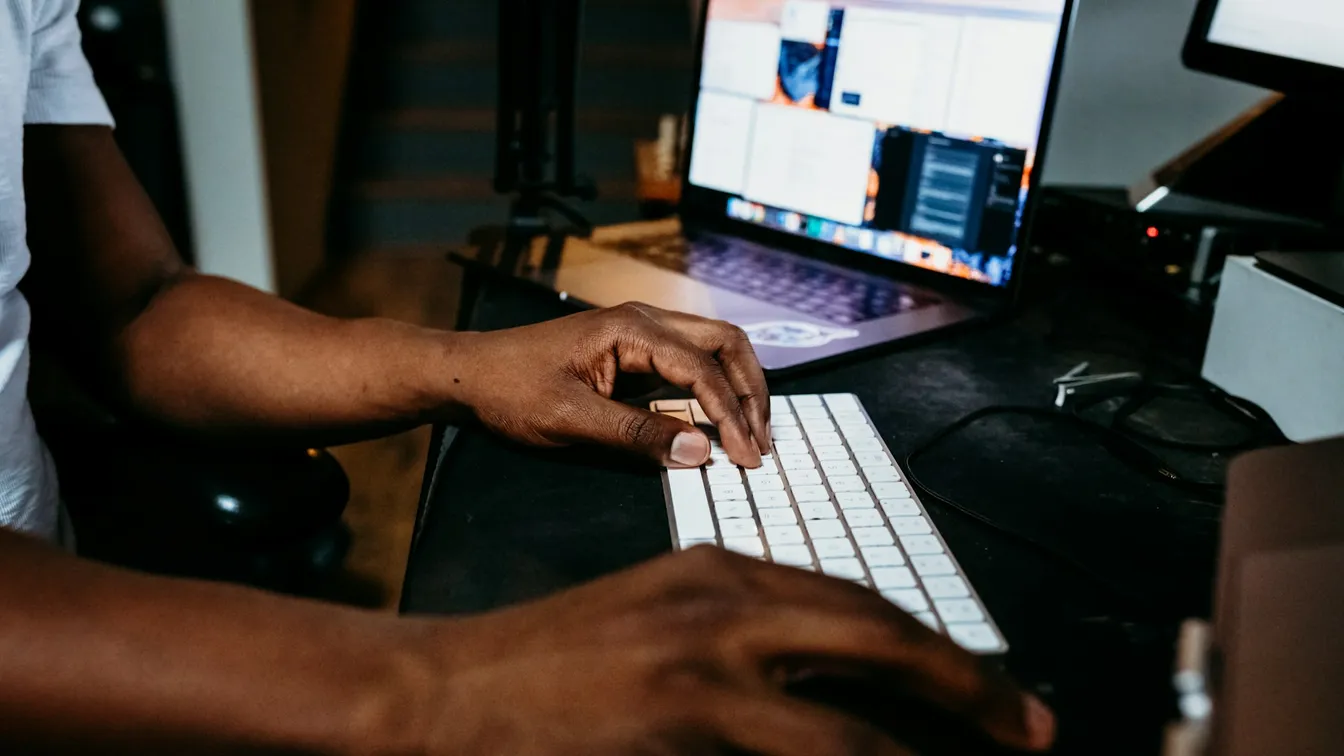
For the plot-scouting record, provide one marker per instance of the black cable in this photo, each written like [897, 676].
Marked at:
[1090, 428]
[1118, 438]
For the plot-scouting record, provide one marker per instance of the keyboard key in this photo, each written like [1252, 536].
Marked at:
[886, 578]
[850, 419]
[825, 529]
[811, 493]
[811, 413]
[817, 510]
[838, 467]
[791, 447]
[682, 415]
[959, 610]
[842, 483]
[885, 474]
[831, 452]
[784, 535]
[698, 416]
[867, 459]
[891, 491]
[824, 439]
[928, 619]
[728, 492]
[720, 475]
[820, 422]
[909, 526]
[814, 428]
[742, 528]
[765, 483]
[797, 462]
[856, 432]
[863, 445]
[833, 548]
[806, 400]
[863, 518]
[692, 543]
[769, 466]
[933, 565]
[779, 405]
[770, 499]
[947, 587]
[690, 504]
[922, 544]
[751, 547]
[845, 569]
[803, 478]
[879, 536]
[842, 402]
[900, 507]
[782, 420]
[780, 516]
[854, 500]
[671, 405]
[787, 434]
[882, 556]
[793, 556]
[910, 599]
[730, 510]
[975, 636]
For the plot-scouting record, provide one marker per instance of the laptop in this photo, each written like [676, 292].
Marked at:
[857, 172]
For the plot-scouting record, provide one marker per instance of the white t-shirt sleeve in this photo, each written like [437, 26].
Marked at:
[60, 86]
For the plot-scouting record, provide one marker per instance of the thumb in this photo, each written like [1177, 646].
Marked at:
[662, 438]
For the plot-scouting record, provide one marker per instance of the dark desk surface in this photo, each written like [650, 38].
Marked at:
[501, 524]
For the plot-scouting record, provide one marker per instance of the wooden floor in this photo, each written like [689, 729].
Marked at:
[417, 286]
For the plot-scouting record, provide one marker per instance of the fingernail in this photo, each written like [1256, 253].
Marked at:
[690, 449]
[1040, 723]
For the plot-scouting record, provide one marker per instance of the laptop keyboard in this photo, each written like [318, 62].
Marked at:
[830, 499]
[791, 282]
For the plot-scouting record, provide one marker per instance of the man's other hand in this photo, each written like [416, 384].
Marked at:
[552, 384]
[688, 654]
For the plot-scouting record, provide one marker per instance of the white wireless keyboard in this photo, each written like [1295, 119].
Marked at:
[830, 499]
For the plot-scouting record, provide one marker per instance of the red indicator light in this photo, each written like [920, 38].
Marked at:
[1152, 232]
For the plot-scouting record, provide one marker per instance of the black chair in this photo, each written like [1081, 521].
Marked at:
[151, 500]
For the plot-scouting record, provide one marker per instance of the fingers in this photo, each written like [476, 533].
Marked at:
[663, 439]
[928, 666]
[731, 347]
[811, 616]
[776, 725]
[651, 346]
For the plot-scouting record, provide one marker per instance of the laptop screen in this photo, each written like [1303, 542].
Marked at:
[905, 129]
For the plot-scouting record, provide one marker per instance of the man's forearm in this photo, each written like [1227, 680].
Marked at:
[112, 296]
[98, 660]
[213, 355]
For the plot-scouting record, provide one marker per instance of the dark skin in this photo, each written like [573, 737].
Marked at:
[682, 655]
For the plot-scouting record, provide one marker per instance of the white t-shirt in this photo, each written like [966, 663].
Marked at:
[44, 78]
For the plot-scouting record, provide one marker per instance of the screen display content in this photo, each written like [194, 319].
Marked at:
[1311, 31]
[898, 128]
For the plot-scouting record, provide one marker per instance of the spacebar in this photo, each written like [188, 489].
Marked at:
[690, 505]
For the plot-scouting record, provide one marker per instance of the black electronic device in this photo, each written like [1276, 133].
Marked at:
[538, 71]
[1282, 155]
[1289, 46]
[1172, 254]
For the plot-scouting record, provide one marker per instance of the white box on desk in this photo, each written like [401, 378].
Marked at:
[1280, 347]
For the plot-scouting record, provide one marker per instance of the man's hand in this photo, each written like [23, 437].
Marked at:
[685, 655]
[552, 383]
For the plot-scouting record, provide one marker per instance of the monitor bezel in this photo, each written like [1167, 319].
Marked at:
[703, 207]
[1287, 75]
